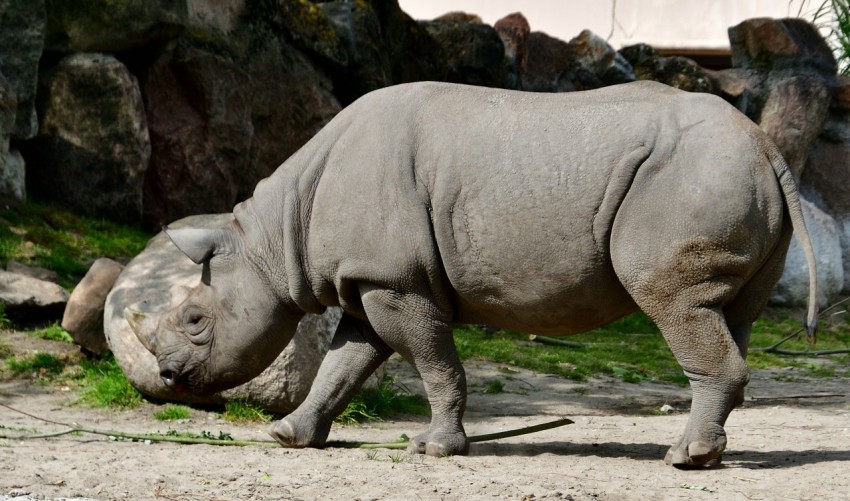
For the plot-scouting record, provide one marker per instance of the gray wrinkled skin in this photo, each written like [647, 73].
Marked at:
[425, 205]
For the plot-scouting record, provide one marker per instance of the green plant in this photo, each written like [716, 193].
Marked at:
[5, 323]
[41, 364]
[104, 385]
[243, 411]
[494, 386]
[172, 412]
[44, 236]
[388, 399]
[53, 332]
[832, 17]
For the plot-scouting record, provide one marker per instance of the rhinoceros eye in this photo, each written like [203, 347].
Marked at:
[195, 321]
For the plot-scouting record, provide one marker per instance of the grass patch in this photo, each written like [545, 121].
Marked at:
[39, 235]
[173, 412]
[388, 399]
[104, 385]
[41, 365]
[5, 323]
[243, 411]
[52, 332]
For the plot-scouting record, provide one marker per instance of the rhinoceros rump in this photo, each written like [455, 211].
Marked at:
[425, 205]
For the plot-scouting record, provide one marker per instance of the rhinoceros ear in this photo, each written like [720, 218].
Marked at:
[197, 243]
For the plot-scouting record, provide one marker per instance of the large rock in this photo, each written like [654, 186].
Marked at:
[13, 179]
[413, 54]
[794, 91]
[83, 317]
[158, 279]
[9, 176]
[221, 121]
[473, 52]
[22, 25]
[675, 71]
[514, 30]
[92, 149]
[30, 299]
[586, 62]
[112, 26]
[793, 287]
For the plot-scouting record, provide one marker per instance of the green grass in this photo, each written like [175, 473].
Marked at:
[39, 235]
[632, 349]
[104, 385]
[52, 332]
[41, 364]
[173, 412]
[243, 411]
[5, 323]
[388, 399]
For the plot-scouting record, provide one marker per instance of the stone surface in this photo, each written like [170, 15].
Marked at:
[586, 62]
[10, 177]
[793, 287]
[413, 54]
[675, 71]
[220, 122]
[26, 298]
[221, 16]
[473, 52]
[32, 271]
[83, 317]
[13, 179]
[514, 30]
[780, 44]
[22, 25]
[158, 279]
[112, 26]
[92, 149]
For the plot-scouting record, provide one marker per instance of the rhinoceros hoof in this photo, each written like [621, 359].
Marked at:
[289, 434]
[705, 451]
[439, 444]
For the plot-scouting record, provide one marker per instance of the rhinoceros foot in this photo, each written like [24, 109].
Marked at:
[299, 433]
[704, 450]
[439, 444]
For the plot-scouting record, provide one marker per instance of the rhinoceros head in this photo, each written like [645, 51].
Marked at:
[229, 327]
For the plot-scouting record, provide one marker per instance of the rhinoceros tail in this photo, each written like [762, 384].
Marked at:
[791, 193]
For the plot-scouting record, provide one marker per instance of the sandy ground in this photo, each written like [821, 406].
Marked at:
[779, 448]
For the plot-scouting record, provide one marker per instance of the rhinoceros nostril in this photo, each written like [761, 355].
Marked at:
[167, 376]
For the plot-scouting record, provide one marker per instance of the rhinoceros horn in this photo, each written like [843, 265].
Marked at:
[144, 326]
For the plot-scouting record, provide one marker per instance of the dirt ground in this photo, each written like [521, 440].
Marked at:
[781, 446]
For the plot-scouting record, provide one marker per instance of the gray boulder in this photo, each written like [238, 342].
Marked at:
[26, 298]
[158, 279]
[793, 287]
[10, 177]
[83, 317]
[13, 178]
[473, 52]
[32, 271]
[98, 26]
[22, 24]
[675, 71]
[92, 149]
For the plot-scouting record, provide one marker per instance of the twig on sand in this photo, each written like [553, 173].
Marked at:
[156, 437]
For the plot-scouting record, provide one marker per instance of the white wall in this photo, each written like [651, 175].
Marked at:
[662, 23]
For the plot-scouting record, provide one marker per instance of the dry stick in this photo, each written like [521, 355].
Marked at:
[774, 348]
[154, 437]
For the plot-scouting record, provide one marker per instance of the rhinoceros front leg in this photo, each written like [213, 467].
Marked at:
[354, 355]
[411, 325]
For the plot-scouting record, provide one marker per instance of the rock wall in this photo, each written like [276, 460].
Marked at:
[149, 111]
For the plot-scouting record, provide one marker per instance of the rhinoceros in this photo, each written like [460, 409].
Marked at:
[425, 205]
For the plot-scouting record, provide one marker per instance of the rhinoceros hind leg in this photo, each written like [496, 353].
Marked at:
[354, 355]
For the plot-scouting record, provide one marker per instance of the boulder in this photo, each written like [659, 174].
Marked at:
[30, 299]
[92, 149]
[83, 317]
[514, 30]
[22, 25]
[99, 26]
[586, 62]
[221, 121]
[13, 179]
[413, 54]
[158, 279]
[9, 175]
[675, 71]
[793, 287]
[221, 16]
[32, 271]
[367, 64]
[473, 52]
[797, 77]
